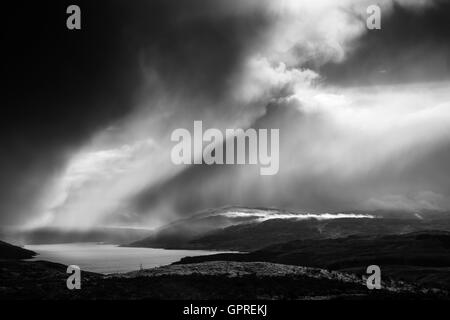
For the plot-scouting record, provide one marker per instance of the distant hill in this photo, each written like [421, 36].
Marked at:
[178, 233]
[8, 251]
[249, 229]
[256, 236]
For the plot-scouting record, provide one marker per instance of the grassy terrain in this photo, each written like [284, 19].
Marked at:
[214, 280]
[422, 257]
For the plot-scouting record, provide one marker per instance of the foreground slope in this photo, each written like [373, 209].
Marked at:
[9, 251]
[421, 257]
[204, 281]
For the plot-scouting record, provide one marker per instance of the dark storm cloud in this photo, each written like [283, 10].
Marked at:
[63, 86]
[325, 181]
[412, 46]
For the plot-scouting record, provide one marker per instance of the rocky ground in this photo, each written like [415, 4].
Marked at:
[209, 280]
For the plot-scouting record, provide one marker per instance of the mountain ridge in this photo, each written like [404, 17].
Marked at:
[249, 229]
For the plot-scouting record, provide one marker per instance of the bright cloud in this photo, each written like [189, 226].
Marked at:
[268, 215]
[342, 134]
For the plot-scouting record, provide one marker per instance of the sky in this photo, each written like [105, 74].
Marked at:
[364, 115]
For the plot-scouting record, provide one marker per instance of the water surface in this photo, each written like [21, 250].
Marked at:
[108, 258]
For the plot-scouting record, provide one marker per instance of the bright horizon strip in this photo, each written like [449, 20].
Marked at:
[298, 216]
